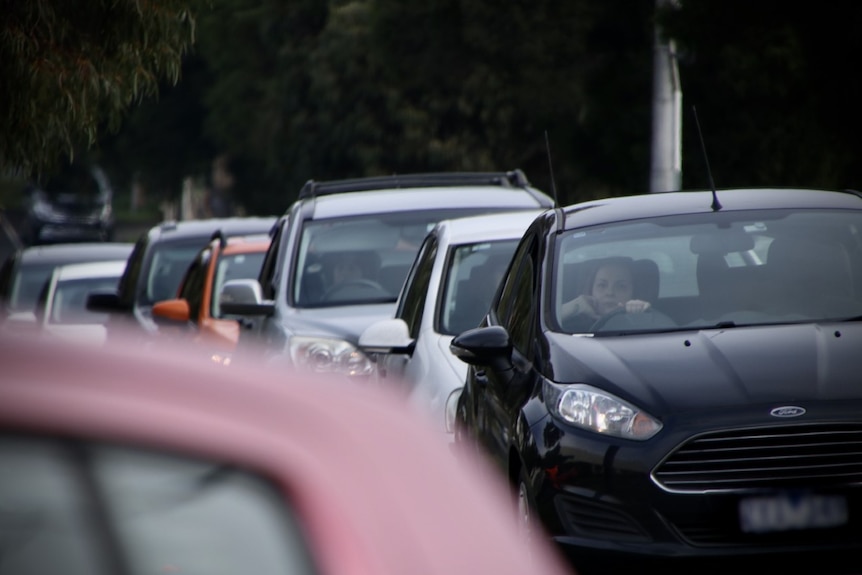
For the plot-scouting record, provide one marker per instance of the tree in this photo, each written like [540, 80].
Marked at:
[70, 70]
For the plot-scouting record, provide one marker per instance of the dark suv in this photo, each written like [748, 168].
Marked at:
[158, 263]
[71, 206]
[342, 251]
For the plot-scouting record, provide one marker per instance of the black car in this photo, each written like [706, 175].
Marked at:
[72, 205]
[157, 265]
[673, 379]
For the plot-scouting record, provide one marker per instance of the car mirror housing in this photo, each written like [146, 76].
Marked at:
[244, 297]
[103, 301]
[175, 310]
[482, 345]
[387, 336]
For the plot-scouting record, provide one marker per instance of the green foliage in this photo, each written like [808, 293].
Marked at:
[71, 69]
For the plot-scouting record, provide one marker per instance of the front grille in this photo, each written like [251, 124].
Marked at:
[805, 455]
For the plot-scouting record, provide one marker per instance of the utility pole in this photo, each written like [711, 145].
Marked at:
[666, 165]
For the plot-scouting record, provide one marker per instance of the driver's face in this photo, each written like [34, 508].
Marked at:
[612, 288]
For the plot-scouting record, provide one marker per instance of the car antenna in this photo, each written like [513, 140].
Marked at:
[553, 183]
[716, 205]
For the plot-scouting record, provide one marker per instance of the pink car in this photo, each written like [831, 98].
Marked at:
[116, 461]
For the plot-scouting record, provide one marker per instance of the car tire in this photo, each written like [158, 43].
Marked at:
[525, 505]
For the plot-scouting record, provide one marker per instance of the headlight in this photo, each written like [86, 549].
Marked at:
[596, 410]
[451, 410]
[329, 355]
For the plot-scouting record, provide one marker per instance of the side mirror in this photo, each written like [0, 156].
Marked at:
[244, 297]
[483, 346]
[103, 301]
[387, 336]
[174, 310]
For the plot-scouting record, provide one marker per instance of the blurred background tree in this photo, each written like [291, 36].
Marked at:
[68, 70]
[292, 90]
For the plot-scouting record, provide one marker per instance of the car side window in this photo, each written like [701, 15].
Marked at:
[86, 508]
[267, 269]
[516, 308]
[129, 281]
[416, 286]
[194, 283]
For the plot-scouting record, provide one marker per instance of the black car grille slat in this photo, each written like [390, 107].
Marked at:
[778, 456]
[597, 519]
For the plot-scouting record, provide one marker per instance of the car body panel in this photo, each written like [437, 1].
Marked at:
[291, 278]
[25, 271]
[159, 261]
[371, 488]
[426, 368]
[733, 445]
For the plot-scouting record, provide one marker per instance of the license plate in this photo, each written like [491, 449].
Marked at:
[787, 512]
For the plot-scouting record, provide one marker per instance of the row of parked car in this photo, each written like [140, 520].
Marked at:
[667, 378]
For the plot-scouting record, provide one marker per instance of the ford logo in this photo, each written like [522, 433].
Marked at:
[787, 411]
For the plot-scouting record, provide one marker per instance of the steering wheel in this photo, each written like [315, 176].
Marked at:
[648, 318]
[365, 287]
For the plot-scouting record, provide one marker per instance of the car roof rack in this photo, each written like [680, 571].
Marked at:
[511, 179]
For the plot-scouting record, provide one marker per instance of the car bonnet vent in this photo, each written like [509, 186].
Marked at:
[512, 179]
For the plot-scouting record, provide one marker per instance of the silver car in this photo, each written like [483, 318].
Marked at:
[447, 291]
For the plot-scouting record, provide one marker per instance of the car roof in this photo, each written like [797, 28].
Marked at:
[597, 212]
[110, 268]
[351, 458]
[246, 244]
[378, 201]
[75, 252]
[486, 227]
[189, 229]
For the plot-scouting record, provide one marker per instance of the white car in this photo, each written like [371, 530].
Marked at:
[61, 311]
[447, 291]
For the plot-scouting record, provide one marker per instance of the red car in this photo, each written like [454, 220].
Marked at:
[118, 462]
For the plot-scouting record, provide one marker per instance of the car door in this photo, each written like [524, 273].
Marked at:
[506, 386]
[411, 308]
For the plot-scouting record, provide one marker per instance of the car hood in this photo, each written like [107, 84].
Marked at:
[344, 322]
[681, 371]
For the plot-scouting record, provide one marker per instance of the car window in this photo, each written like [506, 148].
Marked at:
[412, 302]
[165, 268]
[84, 508]
[69, 305]
[744, 267]
[269, 265]
[233, 267]
[516, 309]
[192, 285]
[129, 281]
[28, 283]
[472, 275]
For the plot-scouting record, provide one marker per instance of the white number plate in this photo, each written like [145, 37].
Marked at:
[792, 511]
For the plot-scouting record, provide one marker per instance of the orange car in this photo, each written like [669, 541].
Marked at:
[196, 304]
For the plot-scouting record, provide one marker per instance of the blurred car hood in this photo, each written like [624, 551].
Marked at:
[716, 368]
[344, 322]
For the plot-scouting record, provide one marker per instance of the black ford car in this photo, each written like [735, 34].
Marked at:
[675, 380]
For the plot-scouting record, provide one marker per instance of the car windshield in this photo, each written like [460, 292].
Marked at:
[27, 285]
[360, 260]
[706, 271]
[469, 282]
